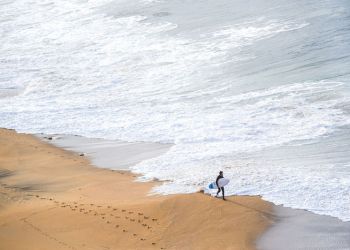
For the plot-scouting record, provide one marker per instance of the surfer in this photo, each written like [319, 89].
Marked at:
[221, 175]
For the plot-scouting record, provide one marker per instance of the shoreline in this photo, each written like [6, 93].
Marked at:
[105, 153]
[302, 229]
[55, 199]
[282, 227]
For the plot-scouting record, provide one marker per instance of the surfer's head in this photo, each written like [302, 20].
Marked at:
[221, 173]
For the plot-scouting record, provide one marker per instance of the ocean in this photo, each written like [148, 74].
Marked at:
[258, 89]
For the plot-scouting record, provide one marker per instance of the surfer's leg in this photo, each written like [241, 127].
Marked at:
[217, 193]
[223, 193]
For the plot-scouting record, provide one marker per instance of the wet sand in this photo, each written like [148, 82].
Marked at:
[55, 199]
[112, 154]
[303, 230]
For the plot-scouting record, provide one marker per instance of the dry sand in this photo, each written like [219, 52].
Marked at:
[55, 199]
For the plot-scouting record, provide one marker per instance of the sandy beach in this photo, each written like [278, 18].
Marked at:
[55, 199]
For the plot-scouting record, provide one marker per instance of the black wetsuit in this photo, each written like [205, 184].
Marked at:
[220, 189]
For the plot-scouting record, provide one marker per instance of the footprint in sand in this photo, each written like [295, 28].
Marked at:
[145, 217]
[116, 225]
[154, 219]
[124, 230]
[140, 213]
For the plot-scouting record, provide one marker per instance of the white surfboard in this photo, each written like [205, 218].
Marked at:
[222, 182]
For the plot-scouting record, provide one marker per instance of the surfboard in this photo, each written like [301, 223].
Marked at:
[222, 182]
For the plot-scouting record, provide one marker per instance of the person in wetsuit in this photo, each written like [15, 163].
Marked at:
[221, 175]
